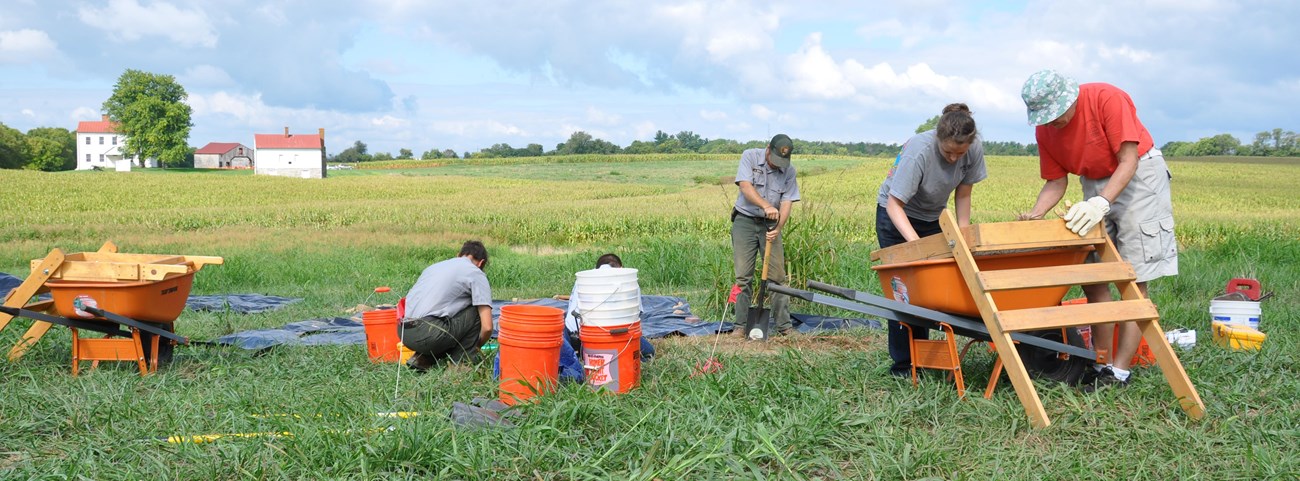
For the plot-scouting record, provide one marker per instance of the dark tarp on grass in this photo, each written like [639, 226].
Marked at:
[663, 316]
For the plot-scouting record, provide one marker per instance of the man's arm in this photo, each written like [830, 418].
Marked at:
[751, 194]
[485, 324]
[786, 207]
[1128, 164]
[1048, 197]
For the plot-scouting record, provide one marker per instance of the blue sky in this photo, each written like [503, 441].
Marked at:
[464, 74]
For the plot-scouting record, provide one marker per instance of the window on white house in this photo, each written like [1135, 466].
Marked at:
[87, 141]
[101, 140]
[101, 157]
[114, 140]
[87, 155]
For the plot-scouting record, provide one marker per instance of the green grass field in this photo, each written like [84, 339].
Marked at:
[803, 407]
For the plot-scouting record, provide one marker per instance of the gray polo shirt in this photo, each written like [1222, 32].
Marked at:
[774, 186]
[924, 180]
[448, 287]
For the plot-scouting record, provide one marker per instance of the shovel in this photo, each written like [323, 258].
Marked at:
[760, 316]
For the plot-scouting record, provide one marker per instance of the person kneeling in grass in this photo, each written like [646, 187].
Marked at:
[449, 310]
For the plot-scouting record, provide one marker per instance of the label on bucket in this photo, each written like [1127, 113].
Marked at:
[602, 367]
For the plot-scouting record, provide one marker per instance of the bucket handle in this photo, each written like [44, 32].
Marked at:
[1249, 287]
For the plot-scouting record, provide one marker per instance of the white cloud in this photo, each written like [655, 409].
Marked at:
[761, 112]
[1124, 52]
[713, 115]
[478, 127]
[813, 73]
[243, 107]
[83, 113]
[26, 45]
[29, 113]
[644, 130]
[130, 21]
[601, 117]
[388, 121]
[207, 76]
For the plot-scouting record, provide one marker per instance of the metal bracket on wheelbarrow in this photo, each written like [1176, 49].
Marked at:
[922, 317]
[95, 326]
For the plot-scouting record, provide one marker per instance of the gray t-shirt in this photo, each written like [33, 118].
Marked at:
[924, 180]
[772, 185]
[448, 287]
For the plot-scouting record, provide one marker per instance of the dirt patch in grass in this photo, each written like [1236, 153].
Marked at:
[735, 344]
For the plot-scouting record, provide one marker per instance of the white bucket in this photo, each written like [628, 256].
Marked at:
[1236, 312]
[608, 297]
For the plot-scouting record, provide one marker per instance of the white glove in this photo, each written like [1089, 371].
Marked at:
[1083, 216]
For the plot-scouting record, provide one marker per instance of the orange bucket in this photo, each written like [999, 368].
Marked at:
[530, 339]
[381, 334]
[612, 356]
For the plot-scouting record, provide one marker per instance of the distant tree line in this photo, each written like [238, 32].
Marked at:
[1270, 143]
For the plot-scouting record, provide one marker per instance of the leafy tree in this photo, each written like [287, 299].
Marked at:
[661, 137]
[383, 156]
[405, 154]
[51, 149]
[13, 148]
[431, 154]
[1222, 144]
[690, 140]
[355, 153]
[581, 142]
[449, 154]
[928, 124]
[151, 113]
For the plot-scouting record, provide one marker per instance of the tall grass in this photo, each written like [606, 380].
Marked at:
[801, 407]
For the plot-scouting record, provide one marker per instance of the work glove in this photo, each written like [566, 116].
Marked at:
[1083, 216]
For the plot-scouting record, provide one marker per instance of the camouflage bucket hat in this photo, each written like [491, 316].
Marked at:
[1047, 95]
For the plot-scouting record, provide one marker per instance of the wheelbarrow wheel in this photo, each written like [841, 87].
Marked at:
[1047, 364]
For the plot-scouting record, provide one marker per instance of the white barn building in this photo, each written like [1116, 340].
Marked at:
[100, 145]
[290, 155]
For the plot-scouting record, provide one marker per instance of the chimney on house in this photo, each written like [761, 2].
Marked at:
[286, 131]
[322, 136]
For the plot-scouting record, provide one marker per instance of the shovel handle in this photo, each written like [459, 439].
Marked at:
[767, 251]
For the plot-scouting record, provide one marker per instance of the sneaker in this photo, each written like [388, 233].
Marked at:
[419, 362]
[1105, 379]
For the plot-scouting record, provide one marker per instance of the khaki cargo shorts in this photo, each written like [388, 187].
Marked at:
[1141, 219]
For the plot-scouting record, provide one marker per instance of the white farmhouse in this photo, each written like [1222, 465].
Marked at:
[290, 155]
[100, 145]
[223, 155]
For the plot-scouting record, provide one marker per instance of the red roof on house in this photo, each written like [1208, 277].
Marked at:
[282, 141]
[104, 126]
[217, 148]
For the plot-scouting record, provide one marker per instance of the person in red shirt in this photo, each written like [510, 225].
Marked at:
[1092, 131]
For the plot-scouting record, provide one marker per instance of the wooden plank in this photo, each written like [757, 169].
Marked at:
[1040, 233]
[97, 271]
[1015, 368]
[1078, 315]
[925, 248]
[157, 272]
[1169, 365]
[1056, 276]
[35, 282]
[1077, 241]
